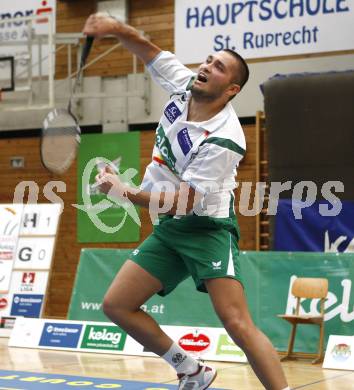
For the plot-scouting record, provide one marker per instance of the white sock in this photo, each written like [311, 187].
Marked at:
[180, 360]
[287, 388]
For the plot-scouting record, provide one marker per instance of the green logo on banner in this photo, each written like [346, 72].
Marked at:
[103, 337]
[165, 148]
[227, 347]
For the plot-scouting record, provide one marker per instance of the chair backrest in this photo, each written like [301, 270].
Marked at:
[310, 288]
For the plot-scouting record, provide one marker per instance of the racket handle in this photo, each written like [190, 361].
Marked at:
[86, 50]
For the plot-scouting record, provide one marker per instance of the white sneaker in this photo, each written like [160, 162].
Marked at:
[200, 380]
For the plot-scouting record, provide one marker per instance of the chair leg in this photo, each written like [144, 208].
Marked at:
[319, 359]
[291, 343]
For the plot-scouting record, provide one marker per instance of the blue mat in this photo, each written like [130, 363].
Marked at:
[21, 380]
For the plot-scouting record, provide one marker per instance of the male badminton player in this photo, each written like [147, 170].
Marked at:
[199, 144]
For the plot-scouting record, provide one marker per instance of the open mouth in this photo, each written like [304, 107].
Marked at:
[202, 78]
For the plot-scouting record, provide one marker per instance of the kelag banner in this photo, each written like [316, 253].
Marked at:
[265, 28]
[268, 277]
[100, 219]
[314, 231]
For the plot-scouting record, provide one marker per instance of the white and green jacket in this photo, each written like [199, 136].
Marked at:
[204, 154]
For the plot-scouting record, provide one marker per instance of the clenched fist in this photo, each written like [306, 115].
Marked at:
[99, 25]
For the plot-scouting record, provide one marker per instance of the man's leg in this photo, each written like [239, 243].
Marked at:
[230, 304]
[131, 288]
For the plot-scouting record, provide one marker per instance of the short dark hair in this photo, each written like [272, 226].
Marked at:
[244, 71]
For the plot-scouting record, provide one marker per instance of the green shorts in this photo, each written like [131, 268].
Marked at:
[203, 247]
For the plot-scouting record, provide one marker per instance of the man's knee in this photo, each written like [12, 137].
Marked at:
[113, 308]
[240, 329]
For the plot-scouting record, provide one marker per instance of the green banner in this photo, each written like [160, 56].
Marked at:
[100, 219]
[103, 337]
[267, 277]
[96, 271]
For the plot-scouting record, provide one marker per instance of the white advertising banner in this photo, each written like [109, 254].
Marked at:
[5, 275]
[27, 238]
[340, 353]
[105, 337]
[10, 218]
[12, 33]
[6, 323]
[34, 253]
[4, 305]
[29, 282]
[10, 221]
[40, 219]
[262, 28]
[27, 291]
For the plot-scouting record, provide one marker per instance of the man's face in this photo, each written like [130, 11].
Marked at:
[215, 76]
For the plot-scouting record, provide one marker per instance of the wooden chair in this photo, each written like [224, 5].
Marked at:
[307, 288]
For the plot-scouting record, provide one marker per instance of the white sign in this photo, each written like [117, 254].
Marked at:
[6, 324]
[10, 218]
[262, 28]
[29, 282]
[40, 219]
[340, 353]
[34, 253]
[4, 305]
[10, 221]
[5, 274]
[206, 343]
[14, 32]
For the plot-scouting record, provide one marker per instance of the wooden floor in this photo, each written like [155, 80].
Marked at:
[300, 374]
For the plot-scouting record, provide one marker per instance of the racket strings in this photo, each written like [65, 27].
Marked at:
[60, 140]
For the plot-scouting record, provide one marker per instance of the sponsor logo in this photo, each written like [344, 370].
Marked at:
[103, 337]
[61, 330]
[172, 112]
[178, 359]
[10, 210]
[3, 303]
[6, 273]
[227, 347]
[135, 252]
[27, 305]
[216, 265]
[7, 248]
[184, 141]
[60, 335]
[197, 342]
[28, 277]
[8, 232]
[23, 13]
[7, 322]
[6, 255]
[27, 282]
[341, 352]
[165, 148]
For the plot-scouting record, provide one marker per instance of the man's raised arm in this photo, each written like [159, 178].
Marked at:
[100, 25]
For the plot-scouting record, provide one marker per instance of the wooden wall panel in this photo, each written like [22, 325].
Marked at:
[155, 18]
[68, 249]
